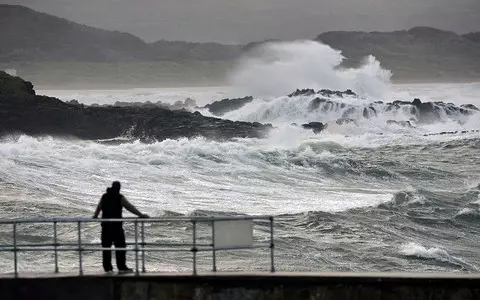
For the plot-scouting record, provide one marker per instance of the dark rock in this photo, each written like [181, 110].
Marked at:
[317, 127]
[330, 93]
[219, 108]
[74, 102]
[398, 102]
[369, 112]
[416, 102]
[42, 115]
[11, 85]
[324, 92]
[178, 105]
[315, 103]
[350, 93]
[304, 92]
[428, 112]
[469, 106]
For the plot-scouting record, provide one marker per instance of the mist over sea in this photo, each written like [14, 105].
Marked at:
[370, 196]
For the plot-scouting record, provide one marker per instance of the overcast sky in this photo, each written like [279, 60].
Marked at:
[240, 21]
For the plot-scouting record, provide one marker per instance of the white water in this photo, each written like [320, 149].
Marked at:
[415, 250]
[291, 171]
[274, 175]
[180, 176]
[279, 68]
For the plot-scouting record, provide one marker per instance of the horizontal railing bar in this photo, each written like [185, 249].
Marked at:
[239, 248]
[73, 249]
[93, 244]
[70, 248]
[128, 220]
[164, 250]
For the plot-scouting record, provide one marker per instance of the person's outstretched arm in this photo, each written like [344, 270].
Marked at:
[99, 208]
[128, 206]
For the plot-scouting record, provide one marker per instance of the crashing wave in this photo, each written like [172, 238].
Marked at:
[318, 110]
[415, 250]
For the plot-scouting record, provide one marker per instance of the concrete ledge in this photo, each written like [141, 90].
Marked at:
[266, 286]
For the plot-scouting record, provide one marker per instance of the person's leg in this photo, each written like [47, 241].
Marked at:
[119, 242]
[107, 243]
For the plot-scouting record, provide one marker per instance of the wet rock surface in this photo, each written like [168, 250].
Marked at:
[23, 112]
[219, 108]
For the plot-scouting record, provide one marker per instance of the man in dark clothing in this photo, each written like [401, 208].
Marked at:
[111, 204]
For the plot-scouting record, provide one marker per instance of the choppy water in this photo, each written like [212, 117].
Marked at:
[348, 199]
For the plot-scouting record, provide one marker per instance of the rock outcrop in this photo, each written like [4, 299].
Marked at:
[22, 112]
[316, 127]
[10, 85]
[219, 108]
[324, 92]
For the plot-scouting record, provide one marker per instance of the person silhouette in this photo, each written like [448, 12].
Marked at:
[111, 205]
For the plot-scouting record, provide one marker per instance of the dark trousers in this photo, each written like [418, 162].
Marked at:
[113, 234]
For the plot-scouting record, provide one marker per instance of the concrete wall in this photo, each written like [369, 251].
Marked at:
[244, 286]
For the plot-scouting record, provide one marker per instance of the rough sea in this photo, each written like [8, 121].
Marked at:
[364, 197]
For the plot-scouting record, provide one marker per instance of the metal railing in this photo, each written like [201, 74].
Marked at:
[139, 246]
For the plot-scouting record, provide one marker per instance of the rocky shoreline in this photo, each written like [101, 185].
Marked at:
[23, 112]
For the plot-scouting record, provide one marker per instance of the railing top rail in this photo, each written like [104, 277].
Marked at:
[146, 220]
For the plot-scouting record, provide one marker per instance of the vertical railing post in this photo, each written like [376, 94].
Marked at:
[15, 262]
[136, 247]
[55, 245]
[272, 246]
[214, 253]
[143, 247]
[80, 259]
[194, 248]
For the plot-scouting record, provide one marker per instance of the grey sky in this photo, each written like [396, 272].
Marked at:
[240, 21]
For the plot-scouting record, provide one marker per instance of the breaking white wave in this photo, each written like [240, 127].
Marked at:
[467, 212]
[247, 176]
[345, 172]
[381, 117]
[418, 251]
[278, 68]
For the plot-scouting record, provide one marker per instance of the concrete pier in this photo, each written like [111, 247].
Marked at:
[265, 286]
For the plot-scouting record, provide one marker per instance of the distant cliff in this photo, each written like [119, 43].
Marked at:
[473, 36]
[35, 36]
[51, 50]
[420, 52]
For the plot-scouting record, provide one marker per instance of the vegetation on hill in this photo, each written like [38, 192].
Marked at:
[35, 36]
[10, 85]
